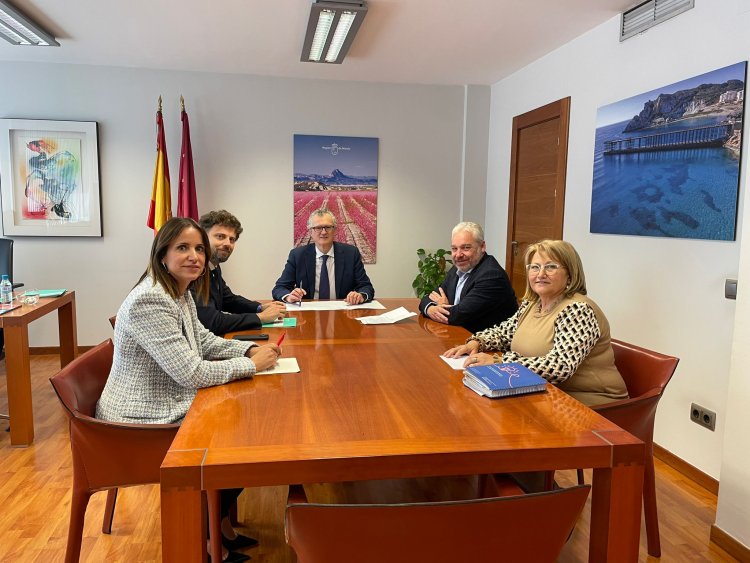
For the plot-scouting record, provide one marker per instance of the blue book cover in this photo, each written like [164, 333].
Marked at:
[501, 380]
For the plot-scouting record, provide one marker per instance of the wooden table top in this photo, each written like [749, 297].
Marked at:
[28, 313]
[376, 401]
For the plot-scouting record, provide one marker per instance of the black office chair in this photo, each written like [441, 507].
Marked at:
[6, 267]
[6, 260]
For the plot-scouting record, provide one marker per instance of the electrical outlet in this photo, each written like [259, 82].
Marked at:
[703, 416]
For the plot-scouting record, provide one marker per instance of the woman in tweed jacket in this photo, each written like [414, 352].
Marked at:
[163, 354]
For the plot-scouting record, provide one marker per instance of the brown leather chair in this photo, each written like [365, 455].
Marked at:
[515, 528]
[106, 455]
[646, 374]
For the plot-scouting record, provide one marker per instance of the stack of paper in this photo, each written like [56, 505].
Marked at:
[455, 363]
[331, 306]
[387, 318]
[283, 365]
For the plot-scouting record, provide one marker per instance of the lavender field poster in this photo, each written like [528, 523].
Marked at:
[667, 162]
[339, 174]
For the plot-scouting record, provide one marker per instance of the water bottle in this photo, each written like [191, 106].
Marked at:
[6, 291]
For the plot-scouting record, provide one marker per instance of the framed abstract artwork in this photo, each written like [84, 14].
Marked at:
[339, 174]
[49, 178]
[667, 162]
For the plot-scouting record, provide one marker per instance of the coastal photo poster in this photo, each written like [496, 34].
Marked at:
[339, 174]
[667, 162]
[49, 178]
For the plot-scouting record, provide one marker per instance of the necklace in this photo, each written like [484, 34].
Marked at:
[551, 306]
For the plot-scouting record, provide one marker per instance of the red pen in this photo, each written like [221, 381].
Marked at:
[281, 339]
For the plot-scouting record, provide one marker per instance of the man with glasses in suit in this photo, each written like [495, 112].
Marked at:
[324, 269]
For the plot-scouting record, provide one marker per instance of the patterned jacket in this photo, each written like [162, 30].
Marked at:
[574, 352]
[162, 356]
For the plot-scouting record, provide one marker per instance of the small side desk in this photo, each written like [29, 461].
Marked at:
[15, 324]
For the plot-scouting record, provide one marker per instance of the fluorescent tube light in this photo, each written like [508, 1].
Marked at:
[17, 29]
[325, 20]
[342, 29]
[343, 17]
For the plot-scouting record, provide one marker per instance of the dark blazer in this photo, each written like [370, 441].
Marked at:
[299, 271]
[486, 299]
[225, 311]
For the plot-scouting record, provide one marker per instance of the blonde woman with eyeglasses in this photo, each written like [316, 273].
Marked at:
[558, 332]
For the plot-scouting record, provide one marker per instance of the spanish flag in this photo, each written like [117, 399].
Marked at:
[161, 198]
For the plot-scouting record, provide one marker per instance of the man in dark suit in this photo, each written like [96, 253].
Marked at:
[225, 311]
[324, 269]
[476, 293]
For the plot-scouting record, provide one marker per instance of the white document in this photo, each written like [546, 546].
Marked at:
[374, 304]
[331, 306]
[455, 363]
[284, 365]
[388, 318]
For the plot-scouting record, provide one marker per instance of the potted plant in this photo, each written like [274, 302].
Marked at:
[432, 268]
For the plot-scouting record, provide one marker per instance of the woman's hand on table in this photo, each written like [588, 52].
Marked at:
[471, 347]
[479, 360]
[264, 357]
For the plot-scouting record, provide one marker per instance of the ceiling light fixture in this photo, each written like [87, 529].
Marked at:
[18, 29]
[343, 17]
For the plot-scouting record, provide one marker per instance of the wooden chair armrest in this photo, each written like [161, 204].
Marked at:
[628, 402]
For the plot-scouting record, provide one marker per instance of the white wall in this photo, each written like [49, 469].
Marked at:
[665, 294]
[474, 189]
[242, 128]
[732, 514]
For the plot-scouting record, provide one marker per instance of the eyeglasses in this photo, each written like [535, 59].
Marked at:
[549, 268]
[323, 228]
[463, 248]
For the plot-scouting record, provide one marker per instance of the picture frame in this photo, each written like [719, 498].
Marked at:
[49, 178]
[339, 174]
[667, 162]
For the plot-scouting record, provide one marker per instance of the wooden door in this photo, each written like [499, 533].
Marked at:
[539, 154]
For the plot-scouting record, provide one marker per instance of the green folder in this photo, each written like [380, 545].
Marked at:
[50, 292]
[288, 322]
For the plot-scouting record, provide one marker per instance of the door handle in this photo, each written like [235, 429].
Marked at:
[514, 247]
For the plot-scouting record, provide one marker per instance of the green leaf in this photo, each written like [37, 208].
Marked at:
[431, 270]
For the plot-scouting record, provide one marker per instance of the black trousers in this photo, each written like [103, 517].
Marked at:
[228, 498]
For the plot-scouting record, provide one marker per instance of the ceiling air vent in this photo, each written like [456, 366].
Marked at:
[650, 13]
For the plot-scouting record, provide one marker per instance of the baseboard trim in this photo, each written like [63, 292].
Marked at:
[46, 350]
[692, 473]
[43, 350]
[729, 544]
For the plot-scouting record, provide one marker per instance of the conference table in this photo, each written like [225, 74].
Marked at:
[15, 325]
[377, 402]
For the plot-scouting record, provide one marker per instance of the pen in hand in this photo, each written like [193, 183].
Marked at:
[281, 338]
